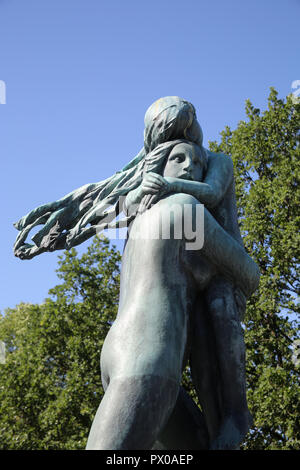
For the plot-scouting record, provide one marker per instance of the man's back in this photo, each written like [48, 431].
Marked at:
[225, 211]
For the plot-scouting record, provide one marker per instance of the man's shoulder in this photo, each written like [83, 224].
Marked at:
[218, 156]
[220, 160]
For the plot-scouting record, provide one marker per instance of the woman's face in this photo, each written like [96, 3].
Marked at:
[184, 162]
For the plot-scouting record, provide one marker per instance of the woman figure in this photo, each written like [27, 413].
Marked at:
[148, 345]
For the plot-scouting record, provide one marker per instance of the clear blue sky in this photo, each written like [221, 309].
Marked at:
[80, 74]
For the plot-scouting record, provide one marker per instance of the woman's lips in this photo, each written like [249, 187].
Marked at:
[186, 176]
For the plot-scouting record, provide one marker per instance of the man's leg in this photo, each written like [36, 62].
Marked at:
[132, 412]
[185, 429]
[230, 349]
[205, 369]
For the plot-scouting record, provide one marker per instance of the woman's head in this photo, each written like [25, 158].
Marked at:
[185, 161]
[179, 159]
[171, 118]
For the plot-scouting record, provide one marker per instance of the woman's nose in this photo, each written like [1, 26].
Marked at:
[188, 164]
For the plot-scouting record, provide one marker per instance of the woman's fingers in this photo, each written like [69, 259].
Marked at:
[149, 189]
[154, 186]
[142, 206]
[153, 198]
[156, 179]
[148, 202]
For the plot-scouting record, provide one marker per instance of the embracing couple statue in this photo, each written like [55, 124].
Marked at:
[179, 303]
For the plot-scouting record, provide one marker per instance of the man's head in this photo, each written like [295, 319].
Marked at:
[171, 118]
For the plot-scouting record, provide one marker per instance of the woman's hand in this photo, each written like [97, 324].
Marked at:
[152, 188]
[154, 184]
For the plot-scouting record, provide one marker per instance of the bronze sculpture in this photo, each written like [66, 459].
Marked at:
[176, 304]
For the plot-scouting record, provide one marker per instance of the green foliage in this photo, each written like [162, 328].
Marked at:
[50, 385]
[265, 152]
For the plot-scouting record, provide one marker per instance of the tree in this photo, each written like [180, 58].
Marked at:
[50, 385]
[265, 152]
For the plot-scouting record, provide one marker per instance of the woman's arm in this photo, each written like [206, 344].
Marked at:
[201, 191]
[212, 190]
